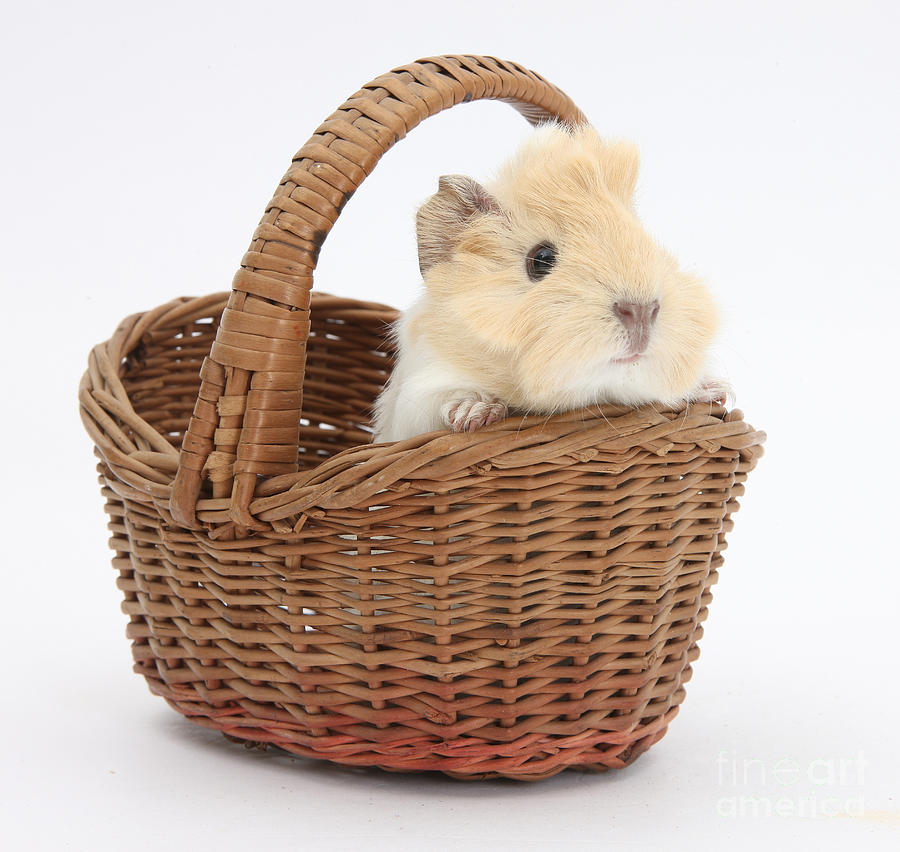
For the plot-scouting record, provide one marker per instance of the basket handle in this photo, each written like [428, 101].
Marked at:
[246, 421]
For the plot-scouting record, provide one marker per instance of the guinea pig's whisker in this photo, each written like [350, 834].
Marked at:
[684, 416]
[608, 423]
[525, 414]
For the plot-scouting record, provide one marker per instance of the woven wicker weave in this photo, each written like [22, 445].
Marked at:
[509, 602]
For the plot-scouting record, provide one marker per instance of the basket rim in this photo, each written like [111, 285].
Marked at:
[356, 474]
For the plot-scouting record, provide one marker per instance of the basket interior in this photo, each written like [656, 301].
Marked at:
[349, 358]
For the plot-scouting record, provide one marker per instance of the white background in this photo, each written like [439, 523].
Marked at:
[140, 143]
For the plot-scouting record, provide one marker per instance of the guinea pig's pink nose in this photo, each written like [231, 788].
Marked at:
[633, 313]
[638, 319]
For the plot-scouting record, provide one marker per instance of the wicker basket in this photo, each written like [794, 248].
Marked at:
[505, 603]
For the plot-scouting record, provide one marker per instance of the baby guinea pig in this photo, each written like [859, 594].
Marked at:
[544, 293]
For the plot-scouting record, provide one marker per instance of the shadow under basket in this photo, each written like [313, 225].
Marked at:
[510, 602]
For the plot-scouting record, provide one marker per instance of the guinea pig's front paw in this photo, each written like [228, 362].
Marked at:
[715, 391]
[472, 412]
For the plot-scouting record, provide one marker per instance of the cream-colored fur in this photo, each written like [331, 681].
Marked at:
[483, 330]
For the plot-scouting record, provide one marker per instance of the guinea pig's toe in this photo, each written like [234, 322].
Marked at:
[483, 414]
[455, 411]
[495, 413]
[459, 414]
[715, 391]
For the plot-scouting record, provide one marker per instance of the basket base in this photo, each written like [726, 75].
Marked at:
[527, 759]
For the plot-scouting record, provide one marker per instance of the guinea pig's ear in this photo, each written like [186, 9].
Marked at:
[440, 220]
[620, 169]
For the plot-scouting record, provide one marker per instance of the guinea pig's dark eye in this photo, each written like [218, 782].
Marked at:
[540, 260]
